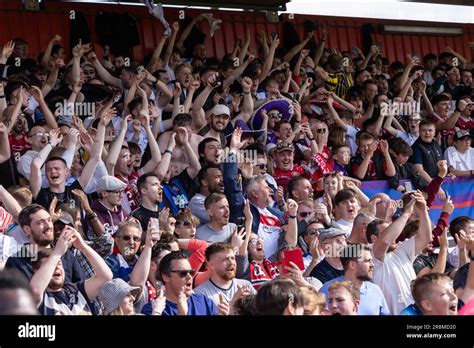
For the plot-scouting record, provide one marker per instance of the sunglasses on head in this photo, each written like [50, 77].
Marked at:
[184, 273]
[127, 238]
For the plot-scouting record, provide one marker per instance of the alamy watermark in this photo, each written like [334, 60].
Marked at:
[400, 109]
[86, 109]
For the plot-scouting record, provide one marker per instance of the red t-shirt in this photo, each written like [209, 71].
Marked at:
[130, 197]
[18, 145]
[283, 177]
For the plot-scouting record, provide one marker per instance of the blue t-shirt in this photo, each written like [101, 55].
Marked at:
[372, 300]
[197, 305]
[411, 310]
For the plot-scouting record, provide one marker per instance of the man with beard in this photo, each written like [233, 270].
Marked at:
[56, 296]
[359, 268]
[209, 151]
[218, 122]
[394, 262]
[218, 229]
[285, 167]
[300, 189]
[38, 226]
[222, 282]
[343, 298]
[434, 295]
[151, 194]
[108, 207]
[211, 180]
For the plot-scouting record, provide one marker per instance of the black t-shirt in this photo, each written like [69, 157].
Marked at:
[325, 272]
[72, 299]
[143, 214]
[45, 196]
[73, 271]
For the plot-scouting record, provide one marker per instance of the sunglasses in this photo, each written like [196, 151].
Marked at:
[321, 130]
[304, 214]
[184, 273]
[127, 238]
[261, 166]
[254, 241]
[274, 116]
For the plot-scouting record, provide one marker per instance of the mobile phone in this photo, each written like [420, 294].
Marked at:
[240, 223]
[274, 34]
[408, 186]
[293, 255]
[154, 224]
[296, 97]
[141, 70]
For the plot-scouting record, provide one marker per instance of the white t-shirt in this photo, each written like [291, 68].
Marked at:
[394, 275]
[270, 231]
[346, 226]
[458, 160]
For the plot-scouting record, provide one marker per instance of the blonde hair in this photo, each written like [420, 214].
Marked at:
[314, 300]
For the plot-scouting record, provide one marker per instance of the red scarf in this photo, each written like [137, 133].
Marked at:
[260, 274]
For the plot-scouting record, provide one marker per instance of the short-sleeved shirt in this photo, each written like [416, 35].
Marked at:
[394, 275]
[407, 137]
[283, 177]
[372, 300]
[143, 215]
[198, 304]
[72, 299]
[208, 234]
[45, 196]
[325, 272]
[130, 198]
[212, 291]
[177, 191]
[458, 160]
[339, 83]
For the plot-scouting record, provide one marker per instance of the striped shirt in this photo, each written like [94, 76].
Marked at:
[339, 83]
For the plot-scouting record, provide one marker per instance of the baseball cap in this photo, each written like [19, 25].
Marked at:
[66, 218]
[461, 134]
[220, 109]
[284, 146]
[330, 233]
[113, 293]
[109, 183]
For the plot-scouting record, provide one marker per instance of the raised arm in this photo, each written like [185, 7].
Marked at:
[114, 150]
[423, 236]
[11, 205]
[103, 73]
[96, 151]
[320, 49]
[391, 233]
[4, 144]
[194, 165]
[294, 50]
[55, 138]
[52, 77]
[48, 115]
[247, 104]
[141, 269]
[245, 47]
[156, 54]
[291, 235]
[42, 276]
[47, 53]
[187, 31]
[267, 65]
[390, 112]
[169, 49]
[335, 115]
[451, 121]
[10, 119]
[164, 165]
[102, 271]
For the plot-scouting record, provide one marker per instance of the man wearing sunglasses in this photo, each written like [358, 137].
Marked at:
[177, 275]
